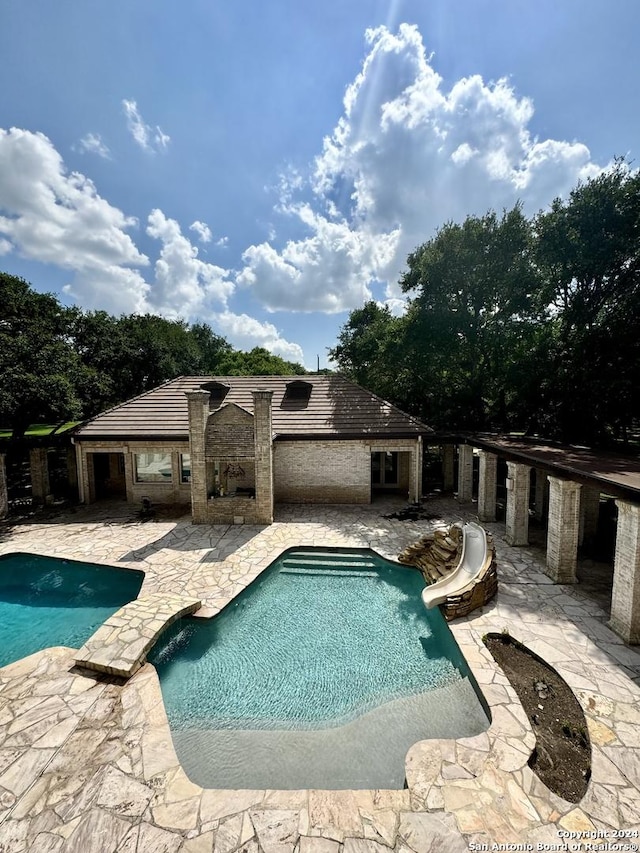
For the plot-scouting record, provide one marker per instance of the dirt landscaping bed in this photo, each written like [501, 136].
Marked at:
[562, 755]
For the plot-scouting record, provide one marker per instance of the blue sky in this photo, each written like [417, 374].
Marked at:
[267, 167]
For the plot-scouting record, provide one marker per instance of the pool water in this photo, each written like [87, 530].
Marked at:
[46, 601]
[322, 673]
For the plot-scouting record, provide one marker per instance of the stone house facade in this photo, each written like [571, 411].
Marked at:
[234, 446]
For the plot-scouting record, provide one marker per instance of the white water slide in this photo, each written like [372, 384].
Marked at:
[472, 561]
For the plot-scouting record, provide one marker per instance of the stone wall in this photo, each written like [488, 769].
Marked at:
[230, 434]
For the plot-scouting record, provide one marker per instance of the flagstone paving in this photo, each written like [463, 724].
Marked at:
[87, 764]
[120, 644]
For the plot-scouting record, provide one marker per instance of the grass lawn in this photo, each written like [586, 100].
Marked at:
[42, 429]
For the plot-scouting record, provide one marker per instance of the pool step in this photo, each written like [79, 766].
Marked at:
[325, 564]
[329, 555]
[341, 563]
[351, 573]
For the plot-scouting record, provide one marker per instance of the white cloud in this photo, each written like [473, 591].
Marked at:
[246, 332]
[184, 285]
[57, 217]
[202, 230]
[406, 156]
[329, 271]
[92, 143]
[147, 137]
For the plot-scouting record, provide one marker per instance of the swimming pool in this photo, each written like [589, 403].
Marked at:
[46, 601]
[321, 674]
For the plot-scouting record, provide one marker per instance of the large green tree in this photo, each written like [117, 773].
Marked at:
[371, 350]
[588, 254]
[39, 368]
[471, 322]
[257, 362]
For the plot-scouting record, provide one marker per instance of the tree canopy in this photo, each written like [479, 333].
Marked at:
[59, 364]
[515, 323]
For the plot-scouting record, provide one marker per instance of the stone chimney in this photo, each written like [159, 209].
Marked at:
[263, 455]
[198, 402]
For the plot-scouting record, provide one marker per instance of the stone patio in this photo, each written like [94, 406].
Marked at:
[87, 764]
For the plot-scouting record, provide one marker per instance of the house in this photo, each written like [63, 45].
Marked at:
[234, 445]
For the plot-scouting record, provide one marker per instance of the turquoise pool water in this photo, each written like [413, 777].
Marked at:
[321, 673]
[45, 601]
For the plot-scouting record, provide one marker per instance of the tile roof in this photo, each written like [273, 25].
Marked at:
[335, 408]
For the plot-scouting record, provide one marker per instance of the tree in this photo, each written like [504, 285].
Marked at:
[472, 319]
[39, 368]
[213, 349]
[258, 362]
[588, 254]
[370, 351]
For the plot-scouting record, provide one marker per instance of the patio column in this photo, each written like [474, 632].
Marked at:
[589, 514]
[448, 459]
[4, 497]
[541, 495]
[517, 519]
[72, 470]
[198, 404]
[465, 473]
[625, 599]
[563, 530]
[39, 467]
[487, 486]
[415, 472]
[264, 455]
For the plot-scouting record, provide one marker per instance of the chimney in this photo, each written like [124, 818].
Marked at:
[263, 455]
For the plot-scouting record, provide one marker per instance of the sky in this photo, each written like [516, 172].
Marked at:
[267, 167]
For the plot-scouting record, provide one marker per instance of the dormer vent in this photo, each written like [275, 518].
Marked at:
[217, 392]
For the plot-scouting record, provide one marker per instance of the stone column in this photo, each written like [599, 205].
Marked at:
[264, 456]
[448, 459]
[541, 495]
[39, 466]
[4, 496]
[487, 486]
[72, 471]
[563, 530]
[198, 404]
[81, 467]
[517, 516]
[465, 473]
[589, 514]
[625, 599]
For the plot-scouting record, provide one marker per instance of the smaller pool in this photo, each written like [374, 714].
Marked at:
[46, 601]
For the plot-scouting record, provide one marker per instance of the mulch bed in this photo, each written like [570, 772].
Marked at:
[562, 755]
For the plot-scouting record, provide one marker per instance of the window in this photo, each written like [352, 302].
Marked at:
[152, 467]
[296, 395]
[384, 469]
[185, 467]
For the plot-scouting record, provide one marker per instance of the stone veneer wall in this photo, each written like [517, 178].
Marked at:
[39, 467]
[322, 471]
[231, 434]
